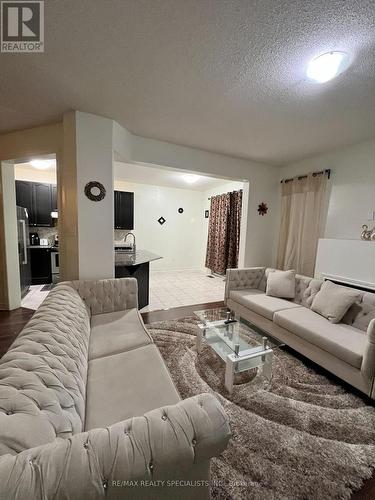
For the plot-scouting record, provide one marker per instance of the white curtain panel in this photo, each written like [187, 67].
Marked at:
[302, 208]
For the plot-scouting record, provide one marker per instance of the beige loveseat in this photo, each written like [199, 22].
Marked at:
[346, 349]
[88, 408]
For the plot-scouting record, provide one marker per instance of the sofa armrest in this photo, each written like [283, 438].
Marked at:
[110, 295]
[368, 362]
[163, 444]
[238, 279]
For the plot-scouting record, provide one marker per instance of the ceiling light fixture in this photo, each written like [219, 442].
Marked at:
[42, 164]
[190, 178]
[323, 68]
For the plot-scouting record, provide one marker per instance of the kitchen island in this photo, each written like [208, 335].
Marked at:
[136, 265]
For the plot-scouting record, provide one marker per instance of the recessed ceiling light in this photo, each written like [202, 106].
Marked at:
[42, 164]
[323, 68]
[190, 178]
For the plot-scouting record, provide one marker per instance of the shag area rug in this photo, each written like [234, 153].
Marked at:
[303, 437]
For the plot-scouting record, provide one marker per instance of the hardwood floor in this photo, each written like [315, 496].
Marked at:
[12, 322]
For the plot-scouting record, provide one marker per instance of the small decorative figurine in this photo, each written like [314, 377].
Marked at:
[262, 208]
[367, 234]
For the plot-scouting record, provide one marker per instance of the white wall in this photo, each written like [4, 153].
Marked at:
[34, 175]
[352, 183]
[180, 241]
[95, 219]
[263, 184]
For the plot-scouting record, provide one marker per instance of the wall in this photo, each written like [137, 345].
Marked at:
[34, 175]
[180, 241]
[10, 292]
[94, 162]
[352, 187]
[259, 247]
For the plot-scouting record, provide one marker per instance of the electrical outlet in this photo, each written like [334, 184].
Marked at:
[371, 215]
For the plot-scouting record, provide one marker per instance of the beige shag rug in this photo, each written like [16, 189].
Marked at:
[303, 437]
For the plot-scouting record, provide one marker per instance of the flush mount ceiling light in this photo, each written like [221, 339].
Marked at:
[42, 164]
[190, 178]
[323, 68]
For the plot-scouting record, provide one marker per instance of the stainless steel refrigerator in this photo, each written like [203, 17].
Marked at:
[23, 249]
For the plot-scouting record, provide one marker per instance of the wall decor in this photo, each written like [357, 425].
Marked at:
[161, 220]
[180, 210]
[206, 214]
[262, 208]
[95, 191]
[367, 234]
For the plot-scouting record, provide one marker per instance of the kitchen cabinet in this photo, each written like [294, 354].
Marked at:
[41, 270]
[124, 210]
[38, 199]
[54, 197]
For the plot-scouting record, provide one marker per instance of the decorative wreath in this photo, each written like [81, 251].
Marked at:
[262, 208]
[92, 187]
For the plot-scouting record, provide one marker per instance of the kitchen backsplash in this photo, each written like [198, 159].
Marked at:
[45, 232]
[121, 233]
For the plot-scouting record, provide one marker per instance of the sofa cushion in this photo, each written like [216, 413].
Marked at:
[281, 284]
[343, 341]
[332, 301]
[126, 385]
[116, 332]
[43, 375]
[261, 303]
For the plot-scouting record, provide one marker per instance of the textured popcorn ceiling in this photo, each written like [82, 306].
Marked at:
[221, 75]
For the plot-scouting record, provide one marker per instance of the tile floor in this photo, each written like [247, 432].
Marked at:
[35, 296]
[183, 288]
[167, 289]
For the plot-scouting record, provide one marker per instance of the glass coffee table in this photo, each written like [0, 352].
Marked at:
[240, 344]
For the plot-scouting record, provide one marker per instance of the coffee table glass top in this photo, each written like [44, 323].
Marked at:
[229, 334]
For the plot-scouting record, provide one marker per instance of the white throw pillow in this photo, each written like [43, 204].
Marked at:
[281, 284]
[332, 301]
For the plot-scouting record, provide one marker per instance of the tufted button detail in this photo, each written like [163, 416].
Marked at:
[151, 466]
[194, 442]
[9, 412]
[86, 445]
[164, 417]
[105, 483]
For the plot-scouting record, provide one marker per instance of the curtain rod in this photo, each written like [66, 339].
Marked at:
[327, 172]
[225, 193]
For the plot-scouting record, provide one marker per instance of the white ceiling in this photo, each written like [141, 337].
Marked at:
[131, 172]
[226, 76]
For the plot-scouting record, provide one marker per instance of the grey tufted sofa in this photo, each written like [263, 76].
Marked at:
[346, 349]
[88, 409]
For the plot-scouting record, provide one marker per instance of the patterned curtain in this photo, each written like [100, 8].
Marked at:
[224, 232]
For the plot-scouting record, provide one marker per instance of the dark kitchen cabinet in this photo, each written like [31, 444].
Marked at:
[38, 199]
[54, 197]
[124, 210]
[24, 197]
[41, 270]
[42, 204]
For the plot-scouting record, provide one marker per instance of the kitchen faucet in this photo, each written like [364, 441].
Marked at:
[126, 237]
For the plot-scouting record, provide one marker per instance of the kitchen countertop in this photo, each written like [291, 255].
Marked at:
[40, 246]
[124, 259]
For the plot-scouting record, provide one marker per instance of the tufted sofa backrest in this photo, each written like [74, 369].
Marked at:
[107, 295]
[306, 289]
[362, 312]
[43, 375]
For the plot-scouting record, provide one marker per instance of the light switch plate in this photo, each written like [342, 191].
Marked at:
[371, 215]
